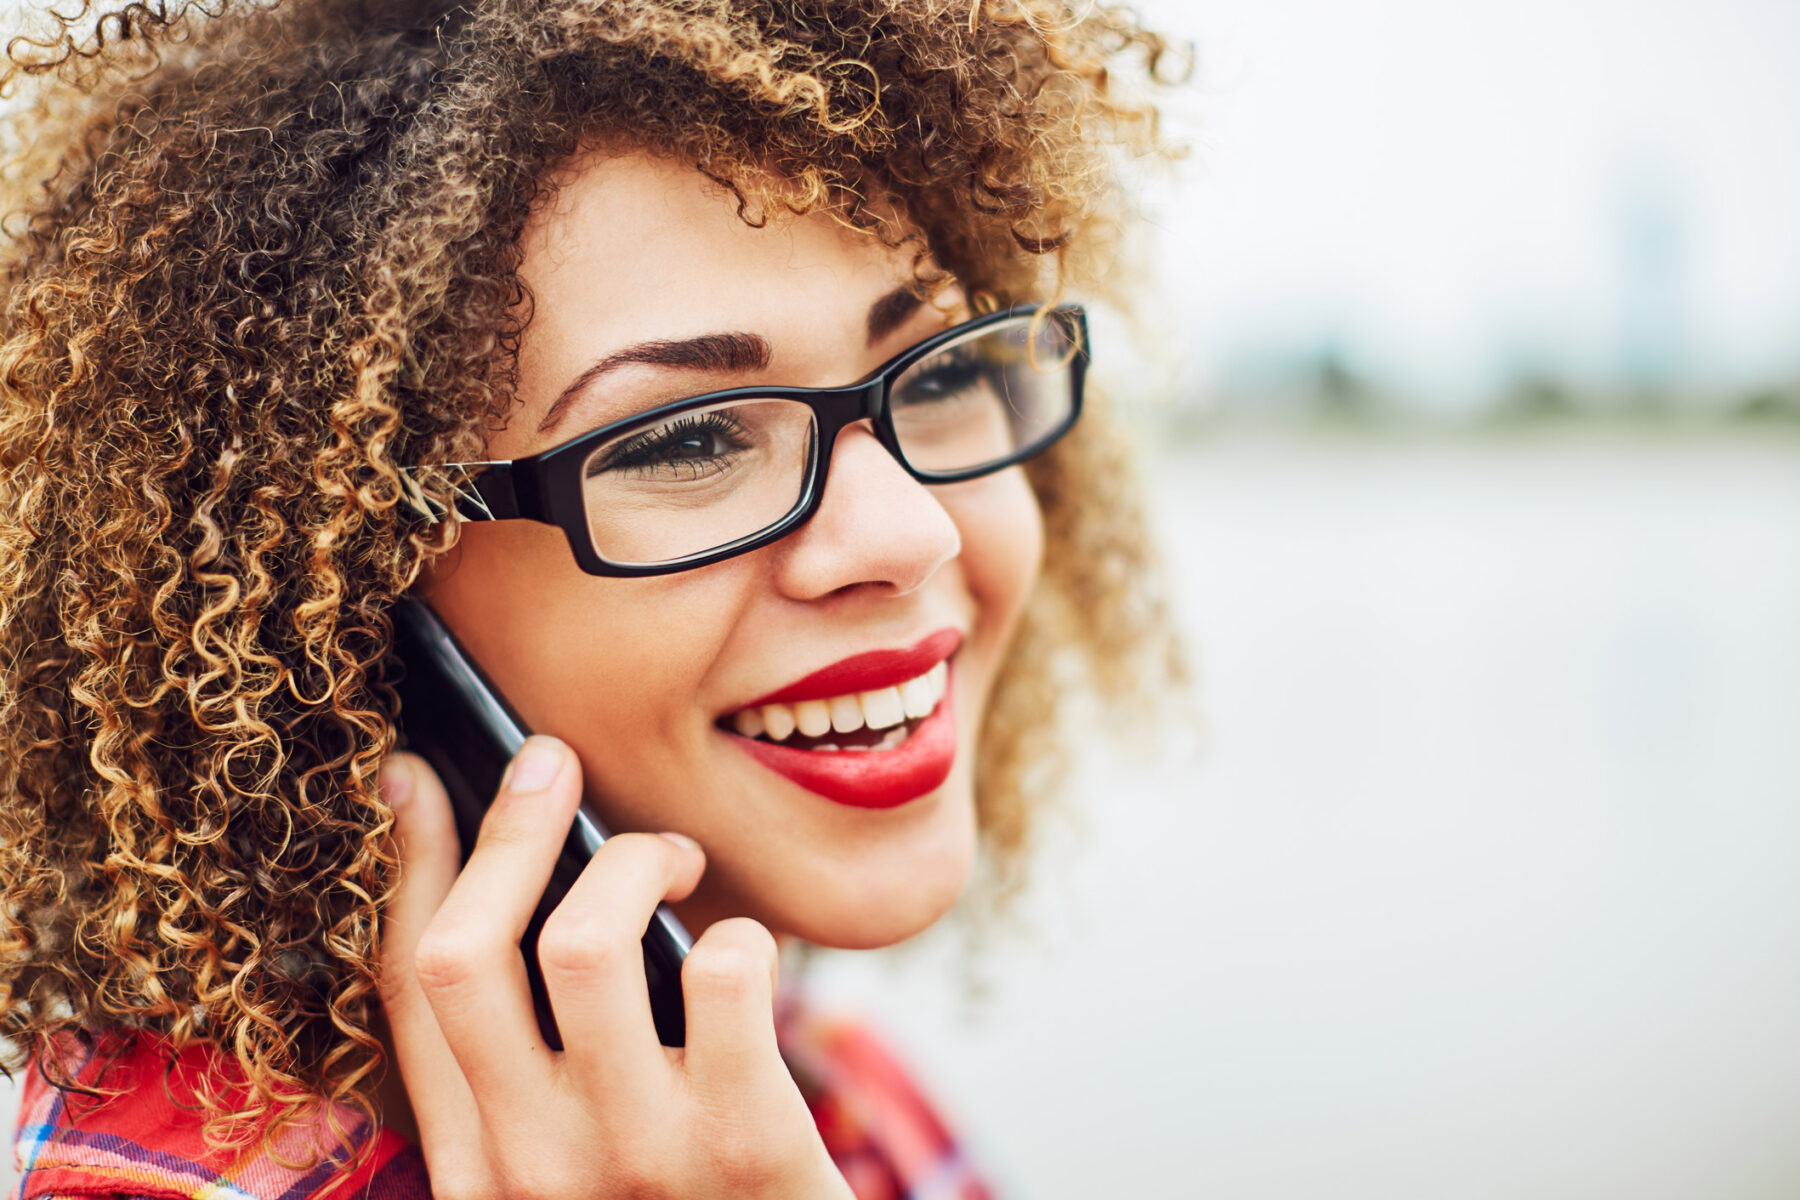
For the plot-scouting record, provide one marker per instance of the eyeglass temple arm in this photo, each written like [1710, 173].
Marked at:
[484, 492]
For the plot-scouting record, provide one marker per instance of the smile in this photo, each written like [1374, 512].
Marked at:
[873, 731]
[873, 720]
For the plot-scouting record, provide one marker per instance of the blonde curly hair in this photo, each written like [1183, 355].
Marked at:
[258, 257]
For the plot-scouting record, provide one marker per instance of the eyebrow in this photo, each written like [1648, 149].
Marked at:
[718, 352]
[708, 352]
[890, 312]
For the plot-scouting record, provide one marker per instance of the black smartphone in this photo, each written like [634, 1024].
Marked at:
[452, 716]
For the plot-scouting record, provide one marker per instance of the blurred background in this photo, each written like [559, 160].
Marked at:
[1470, 366]
[1469, 361]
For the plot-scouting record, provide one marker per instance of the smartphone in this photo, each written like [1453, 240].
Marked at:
[452, 716]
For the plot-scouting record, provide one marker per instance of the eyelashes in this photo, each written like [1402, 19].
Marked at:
[695, 444]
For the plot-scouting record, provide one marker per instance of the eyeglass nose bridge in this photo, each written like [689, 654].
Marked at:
[840, 409]
[835, 411]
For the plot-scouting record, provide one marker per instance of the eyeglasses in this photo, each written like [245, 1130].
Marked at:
[702, 479]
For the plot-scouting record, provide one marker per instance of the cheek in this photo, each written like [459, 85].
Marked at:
[1003, 548]
[595, 661]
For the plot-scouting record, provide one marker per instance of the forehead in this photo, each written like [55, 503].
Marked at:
[633, 247]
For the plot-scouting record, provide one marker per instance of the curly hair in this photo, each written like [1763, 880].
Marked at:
[257, 258]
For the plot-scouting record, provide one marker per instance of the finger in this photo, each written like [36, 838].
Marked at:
[591, 952]
[469, 963]
[425, 836]
[728, 988]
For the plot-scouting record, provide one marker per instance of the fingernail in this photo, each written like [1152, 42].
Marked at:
[536, 765]
[396, 782]
[681, 839]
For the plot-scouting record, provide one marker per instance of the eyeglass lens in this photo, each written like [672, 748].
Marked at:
[709, 477]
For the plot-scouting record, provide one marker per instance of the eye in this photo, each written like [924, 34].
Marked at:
[689, 446]
[941, 376]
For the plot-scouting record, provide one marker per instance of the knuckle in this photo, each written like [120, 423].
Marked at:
[634, 1178]
[533, 1185]
[459, 1174]
[527, 1173]
[637, 1173]
[725, 971]
[445, 964]
[749, 1160]
[577, 951]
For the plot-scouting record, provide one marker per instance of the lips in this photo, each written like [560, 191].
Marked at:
[866, 672]
[864, 772]
[870, 778]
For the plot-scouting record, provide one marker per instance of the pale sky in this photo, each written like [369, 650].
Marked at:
[1449, 187]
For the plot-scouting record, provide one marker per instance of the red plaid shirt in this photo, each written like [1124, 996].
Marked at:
[146, 1141]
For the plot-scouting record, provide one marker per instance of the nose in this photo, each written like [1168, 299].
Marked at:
[875, 525]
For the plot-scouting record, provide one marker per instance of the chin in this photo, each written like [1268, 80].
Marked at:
[869, 922]
[869, 917]
[888, 877]
[896, 887]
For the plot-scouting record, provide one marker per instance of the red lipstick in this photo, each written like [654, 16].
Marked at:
[867, 672]
[869, 778]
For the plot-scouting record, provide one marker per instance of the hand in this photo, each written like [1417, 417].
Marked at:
[615, 1113]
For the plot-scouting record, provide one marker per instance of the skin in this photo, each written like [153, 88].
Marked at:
[633, 673]
[628, 678]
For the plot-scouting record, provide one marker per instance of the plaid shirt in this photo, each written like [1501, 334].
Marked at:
[146, 1141]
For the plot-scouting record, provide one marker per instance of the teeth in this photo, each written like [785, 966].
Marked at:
[884, 708]
[917, 696]
[813, 718]
[778, 720]
[846, 713]
[749, 722]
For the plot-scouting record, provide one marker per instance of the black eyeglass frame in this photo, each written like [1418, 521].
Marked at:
[547, 486]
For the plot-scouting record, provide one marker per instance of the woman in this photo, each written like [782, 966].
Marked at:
[276, 275]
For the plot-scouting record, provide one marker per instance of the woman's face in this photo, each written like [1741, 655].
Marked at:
[644, 677]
